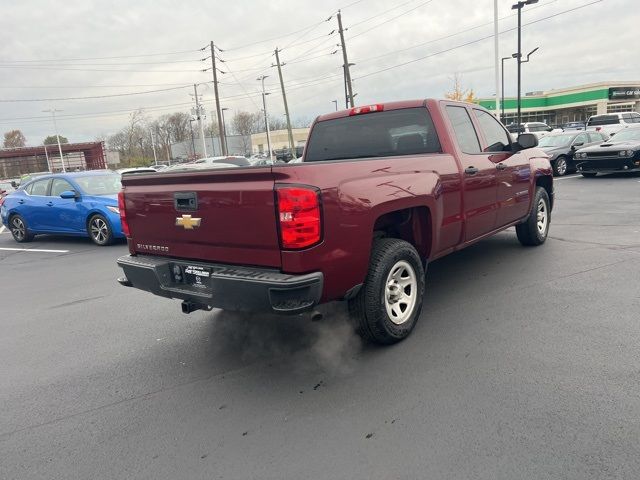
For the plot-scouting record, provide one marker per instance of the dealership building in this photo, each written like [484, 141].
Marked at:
[557, 107]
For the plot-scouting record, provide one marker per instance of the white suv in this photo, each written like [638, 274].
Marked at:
[612, 123]
[539, 129]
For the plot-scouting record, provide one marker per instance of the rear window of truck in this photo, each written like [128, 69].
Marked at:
[407, 131]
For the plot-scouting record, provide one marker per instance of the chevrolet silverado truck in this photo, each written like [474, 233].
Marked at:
[381, 191]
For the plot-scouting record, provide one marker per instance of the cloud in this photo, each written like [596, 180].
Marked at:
[575, 48]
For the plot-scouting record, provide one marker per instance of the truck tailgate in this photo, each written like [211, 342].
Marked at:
[235, 208]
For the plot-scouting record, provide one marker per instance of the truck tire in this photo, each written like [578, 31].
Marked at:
[389, 303]
[589, 174]
[534, 230]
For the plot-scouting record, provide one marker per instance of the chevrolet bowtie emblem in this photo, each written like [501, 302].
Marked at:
[188, 222]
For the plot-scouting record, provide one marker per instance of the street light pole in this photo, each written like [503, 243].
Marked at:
[55, 126]
[515, 55]
[519, 6]
[266, 116]
[224, 127]
[335, 102]
[153, 146]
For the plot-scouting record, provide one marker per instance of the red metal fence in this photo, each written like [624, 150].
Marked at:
[76, 156]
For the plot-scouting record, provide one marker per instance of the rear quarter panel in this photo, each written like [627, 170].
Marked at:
[355, 194]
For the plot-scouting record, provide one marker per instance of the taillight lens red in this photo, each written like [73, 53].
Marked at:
[299, 217]
[123, 214]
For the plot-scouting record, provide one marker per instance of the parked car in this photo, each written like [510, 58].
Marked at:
[561, 148]
[382, 190]
[612, 123]
[127, 171]
[573, 126]
[539, 129]
[79, 204]
[6, 187]
[230, 159]
[621, 153]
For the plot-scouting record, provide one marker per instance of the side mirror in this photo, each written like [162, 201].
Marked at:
[67, 194]
[14, 184]
[527, 140]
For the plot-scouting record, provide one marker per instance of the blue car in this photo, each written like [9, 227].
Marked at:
[79, 204]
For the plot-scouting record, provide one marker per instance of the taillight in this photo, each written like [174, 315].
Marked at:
[366, 109]
[123, 214]
[299, 217]
[598, 129]
[1, 201]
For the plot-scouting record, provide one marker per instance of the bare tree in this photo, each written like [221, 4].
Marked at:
[461, 94]
[244, 124]
[14, 138]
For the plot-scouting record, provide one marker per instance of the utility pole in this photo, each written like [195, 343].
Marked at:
[266, 116]
[55, 126]
[286, 106]
[347, 72]
[46, 154]
[224, 127]
[199, 117]
[497, 56]
[153, 146]
[213, 137]
[193, 142]
[519, 6]
[223, 143]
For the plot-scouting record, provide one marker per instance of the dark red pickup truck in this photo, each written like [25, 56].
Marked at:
[381, 190]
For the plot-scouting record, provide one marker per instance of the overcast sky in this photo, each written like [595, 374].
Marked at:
[44, 44]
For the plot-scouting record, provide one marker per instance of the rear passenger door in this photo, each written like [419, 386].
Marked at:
[513, 170]
[478, 175]
[35, 209]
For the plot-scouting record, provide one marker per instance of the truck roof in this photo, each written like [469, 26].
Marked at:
[385, 105]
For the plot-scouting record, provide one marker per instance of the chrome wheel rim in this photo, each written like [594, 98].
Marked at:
[543, 217]
[561, 166]
[18, 229]
[401, 291]
[99, 230]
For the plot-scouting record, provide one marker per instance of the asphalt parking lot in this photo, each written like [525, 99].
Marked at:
[525, 364]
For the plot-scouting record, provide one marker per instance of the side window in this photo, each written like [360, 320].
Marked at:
[635, 117]
[58, 186]
[581, 139]
[28, 188]
[595, 137]
[496, 136]
[463, 128]
[40, 187]
[627, 118]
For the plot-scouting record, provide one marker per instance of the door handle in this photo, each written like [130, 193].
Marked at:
[49, 204]
[471, 170]
[20, 201]
[501, 166]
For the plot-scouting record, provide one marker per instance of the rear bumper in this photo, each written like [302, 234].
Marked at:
[229, 287]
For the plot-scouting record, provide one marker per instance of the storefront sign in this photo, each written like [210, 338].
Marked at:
[624, 93]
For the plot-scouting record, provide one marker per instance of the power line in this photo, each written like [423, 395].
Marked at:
[451, 35]
[32, 67]
[97, 64]
[105, 58]
[390, 19]
[16, 100]
[380, 14]
[474, 41]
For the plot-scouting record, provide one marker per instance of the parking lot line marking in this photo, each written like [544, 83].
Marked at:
[567, 177]
[2, 229]
[33, 250]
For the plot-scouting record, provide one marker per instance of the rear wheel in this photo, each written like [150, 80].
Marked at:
[589, 174]
[19, 229]
[100, 230]
[535, 229]
[560, 166]
[389, 303]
